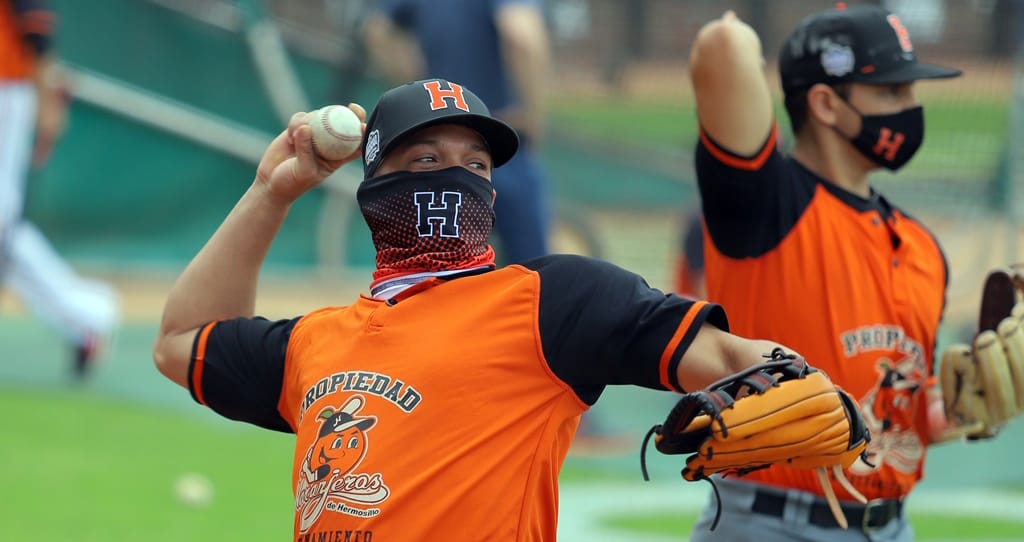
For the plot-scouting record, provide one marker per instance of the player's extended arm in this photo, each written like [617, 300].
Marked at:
[734, 104]
[715, 354]
[51, 115]
[220, 282]
[393, 52]
[526, 48]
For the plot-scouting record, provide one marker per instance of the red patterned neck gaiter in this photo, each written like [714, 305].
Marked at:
[428, 221]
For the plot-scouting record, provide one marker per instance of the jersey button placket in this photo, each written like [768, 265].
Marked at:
[899, 273]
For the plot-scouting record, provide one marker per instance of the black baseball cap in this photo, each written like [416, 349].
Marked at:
[419, 104]
[863, 43]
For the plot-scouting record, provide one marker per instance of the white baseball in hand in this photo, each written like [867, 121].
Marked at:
[337, 131]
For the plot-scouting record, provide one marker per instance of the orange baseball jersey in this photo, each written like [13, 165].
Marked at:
[25, 30]
[855, 285]
[446, 412]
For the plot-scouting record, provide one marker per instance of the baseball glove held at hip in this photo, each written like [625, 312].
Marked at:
[781, 411]
[983, 383]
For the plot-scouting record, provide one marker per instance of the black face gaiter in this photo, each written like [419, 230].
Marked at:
[428, 221]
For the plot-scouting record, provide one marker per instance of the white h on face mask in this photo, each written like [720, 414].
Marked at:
[428, 221]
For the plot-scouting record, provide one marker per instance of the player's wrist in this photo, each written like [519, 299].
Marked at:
[268, 198]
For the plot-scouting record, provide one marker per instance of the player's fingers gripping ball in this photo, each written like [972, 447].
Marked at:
[337, 132]
[779, 412]
[983, 383]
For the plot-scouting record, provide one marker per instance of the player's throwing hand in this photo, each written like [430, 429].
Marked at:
[290, 167]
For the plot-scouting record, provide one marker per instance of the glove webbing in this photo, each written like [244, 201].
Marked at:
[722, 395]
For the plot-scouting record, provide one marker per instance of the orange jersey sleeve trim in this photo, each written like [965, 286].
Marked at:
[749, 164]
[196, 380]
[673, 344]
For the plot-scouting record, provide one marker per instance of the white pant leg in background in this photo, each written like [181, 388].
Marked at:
[76, 307]
[17, 125]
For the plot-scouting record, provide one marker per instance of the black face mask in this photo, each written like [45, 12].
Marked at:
[890, 140]
[428, 221]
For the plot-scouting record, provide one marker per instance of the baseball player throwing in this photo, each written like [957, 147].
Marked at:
[442, 403]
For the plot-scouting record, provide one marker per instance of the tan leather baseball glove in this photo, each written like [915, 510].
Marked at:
[778, 412]
[983, 383]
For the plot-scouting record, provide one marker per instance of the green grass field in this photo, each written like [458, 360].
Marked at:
[85, 467]
[669, 124]
[99, 462]
[965, 137]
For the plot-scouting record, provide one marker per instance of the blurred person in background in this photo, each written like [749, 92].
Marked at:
[501, 50]
[33, 113]
[688, 265]
[348, 18]
[864, 282]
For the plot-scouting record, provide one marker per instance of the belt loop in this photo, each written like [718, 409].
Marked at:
[865, 522]
[797, 509]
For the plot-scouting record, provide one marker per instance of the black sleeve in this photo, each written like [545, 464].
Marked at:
[600, 325]
[36, 19]
[750, 203]
[237, 369]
